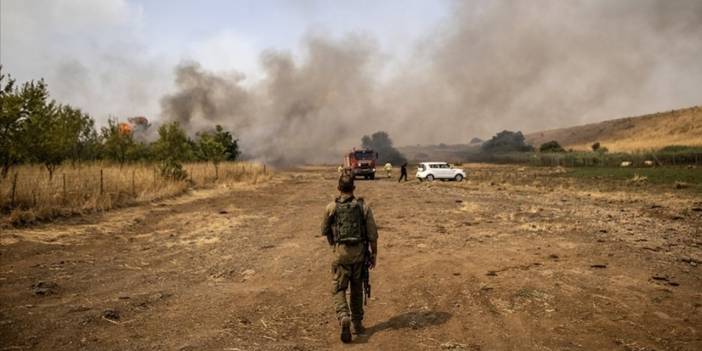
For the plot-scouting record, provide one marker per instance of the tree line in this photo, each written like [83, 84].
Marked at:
[381, 143]
[511, 147]
[37, 129]
[507, 141]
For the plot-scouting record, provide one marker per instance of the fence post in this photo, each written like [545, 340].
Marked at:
[102, 188]
[64, 188]
[14, 190]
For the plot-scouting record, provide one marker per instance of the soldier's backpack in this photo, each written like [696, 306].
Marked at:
[350, 224]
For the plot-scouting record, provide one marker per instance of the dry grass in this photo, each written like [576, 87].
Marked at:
[75, 190]
[645, 133]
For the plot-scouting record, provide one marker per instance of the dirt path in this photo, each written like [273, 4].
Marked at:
[512, 264]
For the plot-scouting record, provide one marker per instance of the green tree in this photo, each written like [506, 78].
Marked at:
[139, 151]
[48, 127]
[506, 141]
[172, 143]
[172, 147]
[12, 124]
[78, 131]
[551, 146]
[34, 128]
[117, 144]
[211, 150]
[231, 145]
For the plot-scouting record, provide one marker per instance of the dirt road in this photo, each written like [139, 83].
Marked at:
[512, 259]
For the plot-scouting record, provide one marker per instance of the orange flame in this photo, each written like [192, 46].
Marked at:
[124, 128]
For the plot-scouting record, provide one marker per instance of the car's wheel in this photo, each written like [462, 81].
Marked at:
[430, 178]
[372, 176]
[458, 177]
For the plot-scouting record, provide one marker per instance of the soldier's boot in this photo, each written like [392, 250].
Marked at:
[345, 329]
[358, 328]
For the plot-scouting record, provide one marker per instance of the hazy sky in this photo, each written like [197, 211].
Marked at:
[316, 75]
[117, 56]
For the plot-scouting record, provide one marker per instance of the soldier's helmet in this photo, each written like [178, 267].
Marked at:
[346, 183]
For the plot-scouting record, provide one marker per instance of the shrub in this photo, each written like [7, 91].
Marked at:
[20, 218]
[551, 146]
[506, 141]
[172, 169]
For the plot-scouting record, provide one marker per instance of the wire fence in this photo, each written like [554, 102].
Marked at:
[101, 186]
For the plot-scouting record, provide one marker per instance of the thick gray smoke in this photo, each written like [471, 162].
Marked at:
[493, 65]
[298, 113]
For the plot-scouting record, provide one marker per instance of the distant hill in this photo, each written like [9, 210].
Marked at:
[654, 131]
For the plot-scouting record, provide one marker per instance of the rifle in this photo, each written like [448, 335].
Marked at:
[365, 272]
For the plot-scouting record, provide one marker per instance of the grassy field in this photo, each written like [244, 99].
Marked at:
[28, 195]
[672, 155]
[682, 176]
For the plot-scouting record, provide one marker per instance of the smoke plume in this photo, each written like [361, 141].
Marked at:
[492, 65]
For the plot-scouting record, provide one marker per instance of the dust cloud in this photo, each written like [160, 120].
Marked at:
[491, 65]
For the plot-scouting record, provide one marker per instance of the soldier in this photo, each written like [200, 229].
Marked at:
[403, 172]
[350, 229]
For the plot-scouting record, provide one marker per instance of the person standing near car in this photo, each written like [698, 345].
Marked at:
[350, 228]
[403, 172]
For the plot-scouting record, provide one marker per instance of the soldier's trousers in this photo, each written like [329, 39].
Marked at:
[343, 276]
[402, 175]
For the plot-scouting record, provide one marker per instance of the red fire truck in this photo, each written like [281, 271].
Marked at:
[361, 163]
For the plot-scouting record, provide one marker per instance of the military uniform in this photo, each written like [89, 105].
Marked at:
[348, 260]
[403, 172]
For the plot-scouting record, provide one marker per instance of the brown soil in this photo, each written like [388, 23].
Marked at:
[512, 259]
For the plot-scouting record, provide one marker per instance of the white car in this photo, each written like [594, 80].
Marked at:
[439, 170]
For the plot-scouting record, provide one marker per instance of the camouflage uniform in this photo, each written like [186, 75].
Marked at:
[348, 262]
